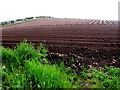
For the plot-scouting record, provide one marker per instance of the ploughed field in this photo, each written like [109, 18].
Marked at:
[91, 42]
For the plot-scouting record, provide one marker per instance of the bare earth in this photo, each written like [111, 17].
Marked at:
[88, 41]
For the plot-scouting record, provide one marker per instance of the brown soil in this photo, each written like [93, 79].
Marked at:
[90, 42]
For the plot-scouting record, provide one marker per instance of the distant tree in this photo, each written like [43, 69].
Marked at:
[19, 20]
[29, 18]
[12, 21]
[38, 17]
[24, 19]
[43, 17]
[4, 23]
[49, 16]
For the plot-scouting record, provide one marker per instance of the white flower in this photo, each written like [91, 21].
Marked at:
[38, 85]
[43, 82]
[3, 67]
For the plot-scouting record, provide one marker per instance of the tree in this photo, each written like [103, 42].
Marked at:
[12, 21]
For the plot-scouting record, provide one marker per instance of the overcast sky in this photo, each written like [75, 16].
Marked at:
[83, 9]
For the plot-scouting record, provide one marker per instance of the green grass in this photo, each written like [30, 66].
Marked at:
[47, 76]
[102, 78]
[25, 66]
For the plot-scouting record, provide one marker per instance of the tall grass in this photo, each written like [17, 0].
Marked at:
[26, 67]
[46, 76]
[21, 53]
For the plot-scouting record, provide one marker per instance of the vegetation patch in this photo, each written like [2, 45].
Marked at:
[25, 66]
[107, 77]
[27, 19]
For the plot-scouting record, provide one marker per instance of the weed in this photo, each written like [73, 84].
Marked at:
[47, 76]
[106, 78]
[13, 79]
[25, 67]
[21, 53]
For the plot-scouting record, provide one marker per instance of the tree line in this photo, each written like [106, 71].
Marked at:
[23, 20]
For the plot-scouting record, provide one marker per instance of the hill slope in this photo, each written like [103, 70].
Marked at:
[87, 40]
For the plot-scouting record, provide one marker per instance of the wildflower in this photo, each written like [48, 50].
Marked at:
[68, 67]
[3, 67]
[30, 82]
[43, 82]
[38, 85]
[51, 84]
[79, 64]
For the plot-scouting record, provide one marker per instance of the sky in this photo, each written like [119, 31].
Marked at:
[82, 9]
